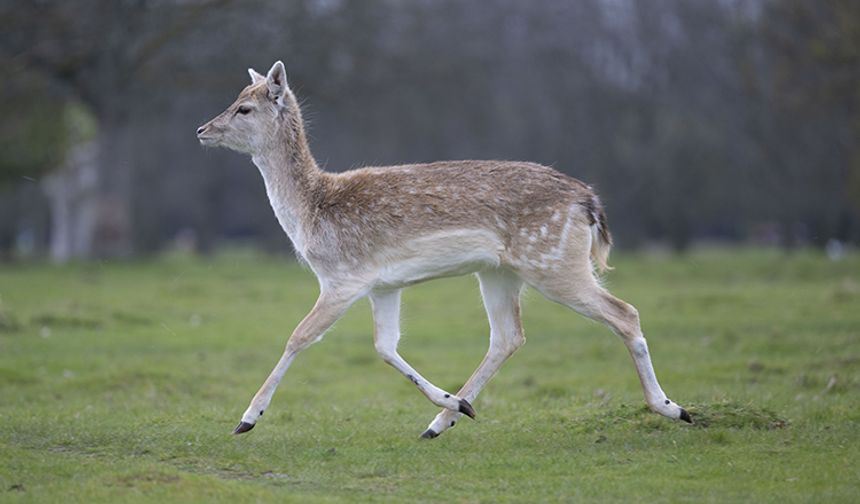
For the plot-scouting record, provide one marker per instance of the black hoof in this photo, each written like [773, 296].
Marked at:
[429, 434]
[243, 427]
[685, 416]
[467, 409]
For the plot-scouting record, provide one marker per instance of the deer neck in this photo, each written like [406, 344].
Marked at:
[293, 181]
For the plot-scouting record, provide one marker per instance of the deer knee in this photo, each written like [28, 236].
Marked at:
[638, 347]
[623, 317]
[386, 350]
[507, 344]
[517, 341]
[294, 346]
[622, 310]
[299, 342]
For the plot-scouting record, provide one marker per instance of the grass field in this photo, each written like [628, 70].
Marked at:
[122, 382]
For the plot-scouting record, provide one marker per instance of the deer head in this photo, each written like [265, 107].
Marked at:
[257, 118]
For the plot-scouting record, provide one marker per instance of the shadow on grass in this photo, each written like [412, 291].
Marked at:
[719, 415]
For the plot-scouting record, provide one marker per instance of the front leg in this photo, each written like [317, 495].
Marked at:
[330, 306]
[386, 319]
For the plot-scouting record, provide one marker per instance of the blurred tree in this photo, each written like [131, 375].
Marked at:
[695, 120]
[32, 141]
[96, 52]
[813, 94]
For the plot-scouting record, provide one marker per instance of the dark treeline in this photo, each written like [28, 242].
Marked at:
[732, 121]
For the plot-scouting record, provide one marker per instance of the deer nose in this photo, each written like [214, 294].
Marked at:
[200, 130]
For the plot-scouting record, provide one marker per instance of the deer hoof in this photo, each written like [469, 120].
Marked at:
[467, 409]
[429, 434]
[243, 427]
[685, 416]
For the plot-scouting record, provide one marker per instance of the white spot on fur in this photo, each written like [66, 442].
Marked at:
[558, 250]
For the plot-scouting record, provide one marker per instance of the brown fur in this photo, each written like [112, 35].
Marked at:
[357, 212]
[383, 204]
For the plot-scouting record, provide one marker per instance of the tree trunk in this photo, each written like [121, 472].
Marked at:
[112, 236]
[72, 193]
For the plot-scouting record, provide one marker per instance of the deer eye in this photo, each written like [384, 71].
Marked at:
[243, 110]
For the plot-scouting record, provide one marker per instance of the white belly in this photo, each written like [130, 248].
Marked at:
[447, 253]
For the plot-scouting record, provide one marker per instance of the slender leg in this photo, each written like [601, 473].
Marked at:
[386, 318]
[327, 310]
[501, 293]
[593, 301]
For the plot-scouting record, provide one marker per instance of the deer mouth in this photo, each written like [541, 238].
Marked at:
[205, 137]
[207, 141]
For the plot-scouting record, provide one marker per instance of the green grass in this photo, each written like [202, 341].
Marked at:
[122, 382]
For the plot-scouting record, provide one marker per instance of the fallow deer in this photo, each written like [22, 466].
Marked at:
[372, 231]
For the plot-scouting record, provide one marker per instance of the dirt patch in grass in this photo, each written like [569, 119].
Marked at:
[225, 472]
[734, 415]
[727, 415]
[66, 321]
[147, 478]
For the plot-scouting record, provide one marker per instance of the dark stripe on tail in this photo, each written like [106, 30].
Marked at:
[602, 226]
[601, 238]
[597, 216]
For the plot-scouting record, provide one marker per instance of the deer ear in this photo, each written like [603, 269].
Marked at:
[255, 76]
[276, 80]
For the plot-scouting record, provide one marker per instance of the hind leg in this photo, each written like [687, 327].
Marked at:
[501, 293]
[581, 292]
[623, 319]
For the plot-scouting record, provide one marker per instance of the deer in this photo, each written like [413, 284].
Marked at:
[373, 231]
